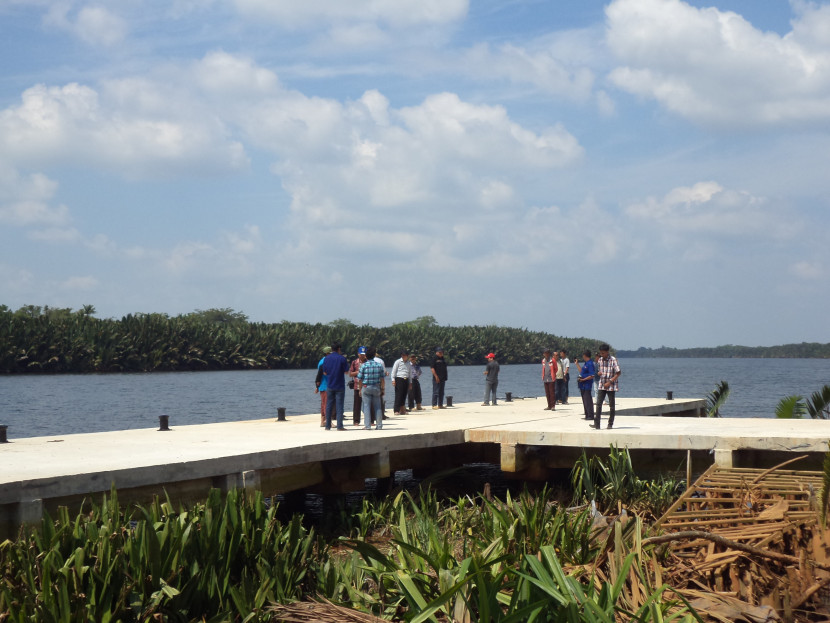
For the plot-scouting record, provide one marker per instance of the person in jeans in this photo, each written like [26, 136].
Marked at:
[608, 371]
[549, 379]
[585, 381]
[372, 379]
[491, 380]
[439, 378]
[335, 367]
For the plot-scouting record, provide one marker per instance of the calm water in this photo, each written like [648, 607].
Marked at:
[58, 405]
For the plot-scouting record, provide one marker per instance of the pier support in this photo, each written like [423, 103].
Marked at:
[724, 458]
[29, 512]
[513, 457]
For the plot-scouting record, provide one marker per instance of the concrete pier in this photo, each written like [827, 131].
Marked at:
[278, 457]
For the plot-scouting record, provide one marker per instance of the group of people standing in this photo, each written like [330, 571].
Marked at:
[368, 374]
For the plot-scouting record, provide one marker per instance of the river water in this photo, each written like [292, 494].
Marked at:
[58, 405]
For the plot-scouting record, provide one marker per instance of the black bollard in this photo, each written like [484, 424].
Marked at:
[449, 401]
[281, 414]
[508, 396]
[164, 422]
[669, 396]
[3, 429]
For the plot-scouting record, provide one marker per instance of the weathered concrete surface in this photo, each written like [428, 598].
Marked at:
[284, 456]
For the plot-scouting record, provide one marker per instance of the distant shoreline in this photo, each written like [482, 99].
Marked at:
[804, 350]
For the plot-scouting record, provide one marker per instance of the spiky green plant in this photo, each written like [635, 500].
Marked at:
[716, 398]
[818, 406]
[791, 407]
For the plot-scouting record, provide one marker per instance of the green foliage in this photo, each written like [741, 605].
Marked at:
[221, 560]
[791, 407]
[716, 398]
[613, 481]
[410, 558]
[48, 340]
[818, 406]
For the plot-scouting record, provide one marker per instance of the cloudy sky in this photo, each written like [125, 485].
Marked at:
[648, 172]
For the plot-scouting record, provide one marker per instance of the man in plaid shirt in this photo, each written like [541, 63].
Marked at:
[608, 371]
[372, 377]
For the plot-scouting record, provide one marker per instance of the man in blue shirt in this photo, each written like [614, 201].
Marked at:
[334, 367]
[321, 385]
[585, 381]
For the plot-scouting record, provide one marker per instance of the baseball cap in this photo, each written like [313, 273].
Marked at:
[361, 350]
[491, 356]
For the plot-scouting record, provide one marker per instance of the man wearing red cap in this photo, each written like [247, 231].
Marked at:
[491, 380]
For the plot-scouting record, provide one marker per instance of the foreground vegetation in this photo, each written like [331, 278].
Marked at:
[413, 557]
[48, 340]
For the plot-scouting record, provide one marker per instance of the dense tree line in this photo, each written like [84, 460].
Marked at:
[60, 340]
[805, 350]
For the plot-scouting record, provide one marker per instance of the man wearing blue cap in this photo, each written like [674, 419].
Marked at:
[354, 369]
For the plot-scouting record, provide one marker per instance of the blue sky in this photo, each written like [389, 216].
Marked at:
[647, 172]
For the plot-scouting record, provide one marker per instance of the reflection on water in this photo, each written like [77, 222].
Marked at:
[56, 405]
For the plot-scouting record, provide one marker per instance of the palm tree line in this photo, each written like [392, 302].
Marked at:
[36, 339]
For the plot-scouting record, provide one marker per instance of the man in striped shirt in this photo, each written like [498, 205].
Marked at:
[608, 371]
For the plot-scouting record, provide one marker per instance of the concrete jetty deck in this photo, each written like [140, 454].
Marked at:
[280, 457]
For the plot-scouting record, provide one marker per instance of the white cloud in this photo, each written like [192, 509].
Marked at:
[150, 136]
[25, 200]
[708, 209]
[397, 13]
[714, 67]
[80, 284]
[93, 24]
[539, 66]
[807, 270]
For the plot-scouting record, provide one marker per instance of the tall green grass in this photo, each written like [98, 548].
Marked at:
[413, 557]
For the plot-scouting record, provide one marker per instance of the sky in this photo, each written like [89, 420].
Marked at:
[645, 172]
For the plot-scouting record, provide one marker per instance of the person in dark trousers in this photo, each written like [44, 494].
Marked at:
[608, 371]
[549, 379]
[439, 378]
[401, 371]
[585, 381]
[414, 384]
[335, 367]
[491, 380]
[566, 369]
[354, 368]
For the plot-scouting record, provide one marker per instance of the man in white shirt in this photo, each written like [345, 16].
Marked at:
[566, 364]
[401, 371]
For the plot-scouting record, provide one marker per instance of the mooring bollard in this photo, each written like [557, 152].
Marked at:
[669, 396]
[281, 414]
[164, 421]
[449, 401]
[508, 396]
[3, 429]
